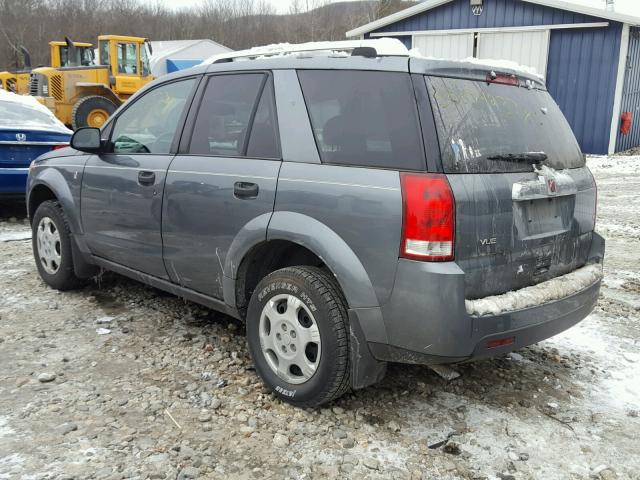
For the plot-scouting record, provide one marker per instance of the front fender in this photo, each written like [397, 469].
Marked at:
[61, 183]
[334, 252]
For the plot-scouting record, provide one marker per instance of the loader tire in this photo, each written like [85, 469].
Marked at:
[92, 111]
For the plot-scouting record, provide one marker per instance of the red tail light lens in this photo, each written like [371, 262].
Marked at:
[501, 342]
[428, 217]
[58, 147]
[503, 79]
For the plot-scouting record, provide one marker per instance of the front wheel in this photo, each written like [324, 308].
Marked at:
[51, 242]
[297, 332]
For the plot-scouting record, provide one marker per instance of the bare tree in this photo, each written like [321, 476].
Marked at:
[235, 23]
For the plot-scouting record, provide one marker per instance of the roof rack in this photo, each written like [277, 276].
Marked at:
[364, 48]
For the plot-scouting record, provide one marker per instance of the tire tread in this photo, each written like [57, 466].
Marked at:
[328, 289]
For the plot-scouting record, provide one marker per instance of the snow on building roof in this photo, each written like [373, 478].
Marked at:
[163, 49]
[431, 4]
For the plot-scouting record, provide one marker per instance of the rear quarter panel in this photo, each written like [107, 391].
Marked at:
[362, 207]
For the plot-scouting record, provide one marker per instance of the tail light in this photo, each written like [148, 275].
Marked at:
[501, 342]
[58, 147]
[503, 79]
[428, 217]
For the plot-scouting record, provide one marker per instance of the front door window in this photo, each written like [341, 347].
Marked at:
[149, 124]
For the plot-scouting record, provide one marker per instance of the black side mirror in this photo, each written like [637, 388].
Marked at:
[87, 139]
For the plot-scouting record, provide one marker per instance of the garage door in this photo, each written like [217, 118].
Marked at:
[525, 48]
[454, 47]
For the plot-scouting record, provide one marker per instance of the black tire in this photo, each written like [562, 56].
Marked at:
[64, 277]
[83, 108]
[320, 294]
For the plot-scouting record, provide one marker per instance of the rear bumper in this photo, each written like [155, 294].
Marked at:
[13, 181]
[425, 320]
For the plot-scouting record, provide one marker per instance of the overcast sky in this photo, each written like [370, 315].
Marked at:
[282, 6]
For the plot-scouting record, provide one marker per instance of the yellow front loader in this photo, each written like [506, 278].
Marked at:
[18, 81]
[86, 95]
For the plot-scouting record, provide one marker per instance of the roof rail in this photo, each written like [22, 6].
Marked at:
[367, 48]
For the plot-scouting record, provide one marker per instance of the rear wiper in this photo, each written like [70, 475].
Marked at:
[528, 157]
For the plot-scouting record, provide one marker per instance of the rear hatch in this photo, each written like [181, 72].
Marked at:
[524, 199]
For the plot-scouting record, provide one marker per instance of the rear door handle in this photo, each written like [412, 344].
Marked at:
[146, 178]
[245, 190]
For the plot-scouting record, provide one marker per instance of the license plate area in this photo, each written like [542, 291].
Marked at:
[543, 217]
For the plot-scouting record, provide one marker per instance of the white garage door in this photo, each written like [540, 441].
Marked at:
[453, 47]
[525, 48]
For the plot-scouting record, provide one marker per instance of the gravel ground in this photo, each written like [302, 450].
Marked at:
[119, 380]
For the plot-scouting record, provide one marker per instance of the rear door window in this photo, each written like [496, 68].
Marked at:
[481, 124]
[364, 118]
[232, 122]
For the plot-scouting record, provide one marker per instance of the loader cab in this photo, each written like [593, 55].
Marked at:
[79, 54]
[17, 81]
[128, 60]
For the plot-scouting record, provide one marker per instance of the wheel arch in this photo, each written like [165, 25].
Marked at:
[97, 89]
[302, 240]
[49, 184]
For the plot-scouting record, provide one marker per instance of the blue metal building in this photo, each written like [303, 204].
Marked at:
[589, 57]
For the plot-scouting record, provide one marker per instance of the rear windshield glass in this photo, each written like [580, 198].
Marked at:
[364, 118]
[487, 127]
[15, 115]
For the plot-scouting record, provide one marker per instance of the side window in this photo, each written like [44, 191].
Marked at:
[104, 53]
[364, 118]
[64, 56]
[223, 122]
[127, 58]
[144, 60]
[263, 141]
[149, 124]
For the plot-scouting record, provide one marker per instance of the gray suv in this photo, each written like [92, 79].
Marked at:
[353, 210]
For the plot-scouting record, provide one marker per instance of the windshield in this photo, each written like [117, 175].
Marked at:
[83, 57]
[486, 127]
[16, 115]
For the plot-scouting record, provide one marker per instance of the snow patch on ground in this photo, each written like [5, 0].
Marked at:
[15, 236]
[620, 389]
[614, 165]
[5, 429]
[539, 294]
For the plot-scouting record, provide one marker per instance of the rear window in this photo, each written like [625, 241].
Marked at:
[13, 114]
[477, 120]
[364, 118]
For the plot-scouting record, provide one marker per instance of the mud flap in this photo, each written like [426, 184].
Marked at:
[365, 369]
[81, 267]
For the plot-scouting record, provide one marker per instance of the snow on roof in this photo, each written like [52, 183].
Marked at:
[383, 46]
[431, 4]
[486, 62]
[31, 102]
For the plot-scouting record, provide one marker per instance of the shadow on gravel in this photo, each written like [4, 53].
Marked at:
[11, 208]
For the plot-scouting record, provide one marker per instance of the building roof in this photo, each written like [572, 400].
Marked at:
[431, 4]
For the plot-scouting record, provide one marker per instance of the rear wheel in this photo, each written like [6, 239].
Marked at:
[92, 111]
[298, 337]
[51, 241]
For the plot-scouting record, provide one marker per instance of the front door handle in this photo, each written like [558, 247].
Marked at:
[245, 190]
[146, 178]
